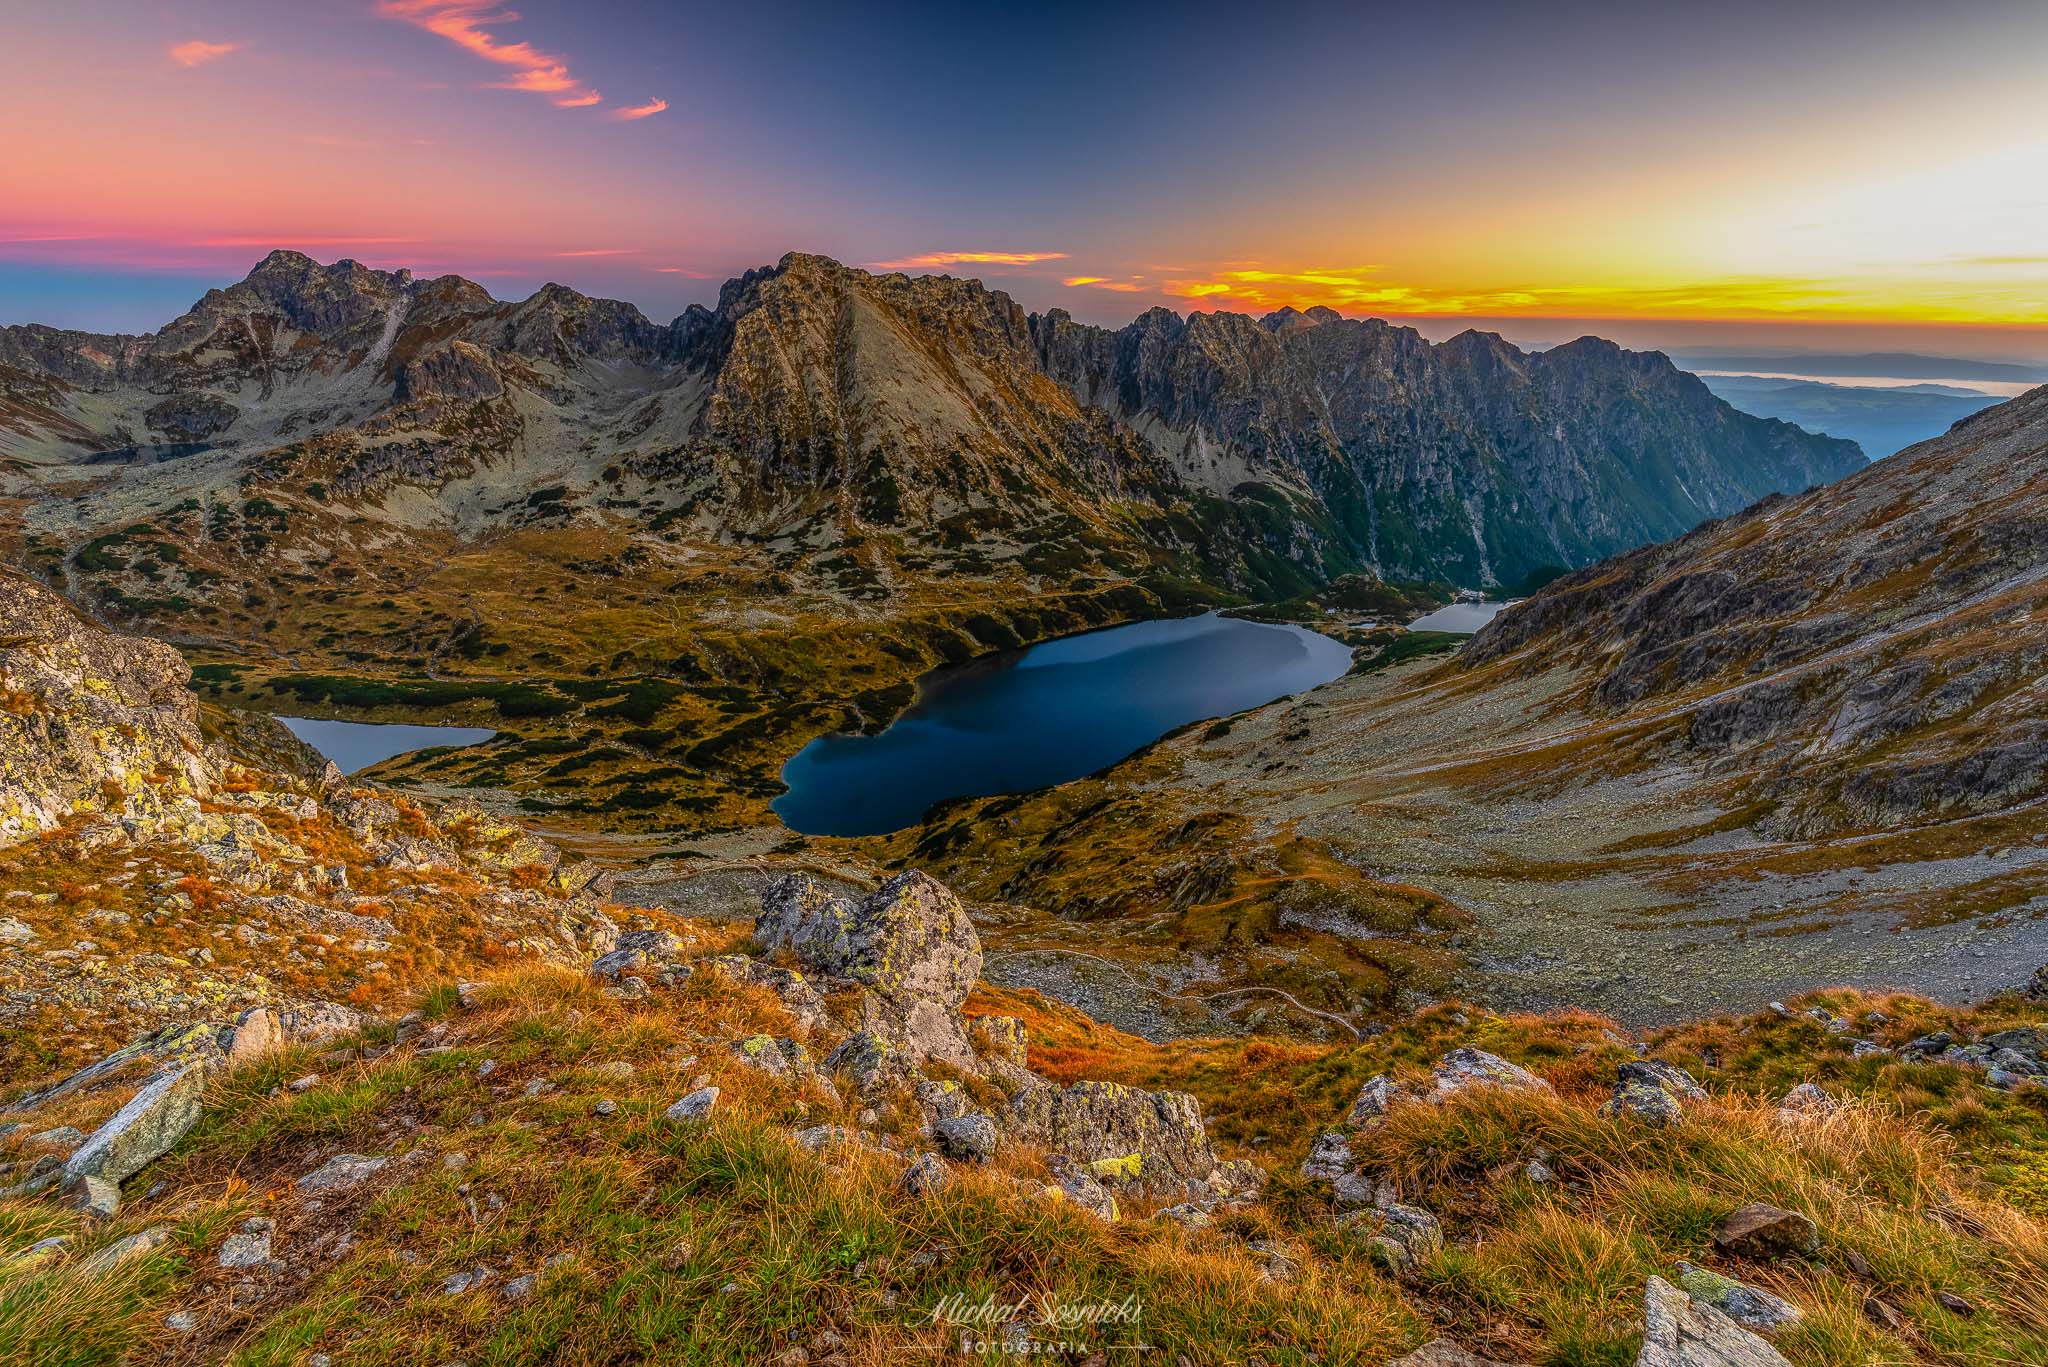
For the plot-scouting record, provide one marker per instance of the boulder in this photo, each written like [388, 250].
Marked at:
[910, 940]
[969, 1137]
[256, 1034]
[910, 943]
[1650, 1091]
[154, 1119]
[1126, 1137]
[1466, 1067]
[2036, 989]
[1747, 1305]
[1765, 1232]
[1681, 1332]
[638, 952]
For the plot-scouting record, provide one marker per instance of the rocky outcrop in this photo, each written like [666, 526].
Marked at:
[907, 955]
[90, 722]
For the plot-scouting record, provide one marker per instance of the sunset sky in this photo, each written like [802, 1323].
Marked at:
[1828, 175]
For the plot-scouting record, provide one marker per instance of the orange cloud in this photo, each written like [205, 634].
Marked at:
[933, 260]
[681, 270]
[1100, 282]
[467, 24]
[199, 53]
[1253, 288]
[639, 111]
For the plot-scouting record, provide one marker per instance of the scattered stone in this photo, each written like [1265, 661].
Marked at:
[1444, 1353]
[1650, 1091]
[519, 1288]
[926, 1175]
[1375, 1099]
[250, 1247]
[1329, 1158]
[1680, 1332]
[463, 1282]
[1467, 1067]
[62, 1138]
[1074, 1183]
[341, 1172]
[181, 1321]
[14, 931]
[304, 1084]
[1408, 1236]
[1538, 1171]
[1883, 1314]
[969, 1137]
[42, 1250]
[1955, 1304]
[1188, 1216]
[696, 1106]
[605, 1107]
[154, 1119]
[121, 1250]
[1747, 1305]
[1806, 1102]
[774, 1055]
[95, 1197]
[256, 1034]
[1766, 1232]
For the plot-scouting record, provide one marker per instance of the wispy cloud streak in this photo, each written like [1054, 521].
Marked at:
[639, 111]
[468, 24]
[198, 52]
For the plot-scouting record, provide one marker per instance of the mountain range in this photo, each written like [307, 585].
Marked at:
[819, 403]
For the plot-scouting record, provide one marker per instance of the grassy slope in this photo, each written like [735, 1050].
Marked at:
[730, 1244]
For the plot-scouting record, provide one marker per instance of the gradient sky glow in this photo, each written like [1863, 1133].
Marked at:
[1825, 174]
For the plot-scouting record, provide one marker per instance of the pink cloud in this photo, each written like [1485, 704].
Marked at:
[639, 111]
[682, 271]
[603, 251]
[198, 52]
[467, 24]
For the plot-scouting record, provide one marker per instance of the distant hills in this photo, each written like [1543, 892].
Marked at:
[1881, 420]
[1901, 365]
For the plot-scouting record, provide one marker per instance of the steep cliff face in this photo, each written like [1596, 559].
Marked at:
[818, 400]
[1874, 648]
[89, 721]
[1471, 461]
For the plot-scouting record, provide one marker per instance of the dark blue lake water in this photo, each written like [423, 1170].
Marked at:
[354, 745]
[1028, 719]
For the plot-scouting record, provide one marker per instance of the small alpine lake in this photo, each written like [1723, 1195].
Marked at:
[1027, 719]
[356, 745]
